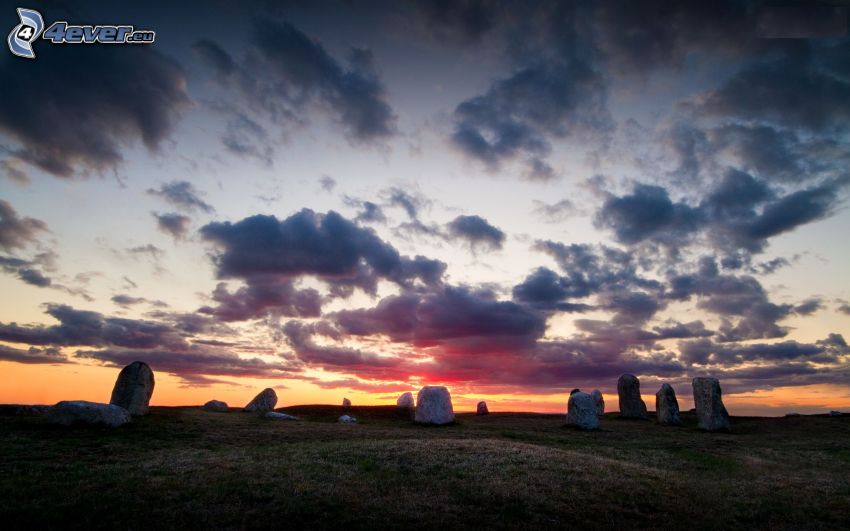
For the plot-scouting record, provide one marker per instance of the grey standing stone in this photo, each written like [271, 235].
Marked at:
[434, 406]
[711, 413]
[346, 403]
[279, 416]
[482, 408]
[599, 401]
[263, 402]
[667, 407]
[134, 388]
[216, 406]
[631, 404]
[405, 401]
[70, 412]
[581, 411]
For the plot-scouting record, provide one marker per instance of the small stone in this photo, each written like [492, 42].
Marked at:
[346, 419]
[667, 407]
[434, 406]
[279, 416]
[263, 402]
[346, 403]
[600, 402]
[134, 388]
[792, 414]
[632, 405]
[70, 412]
[835, 413]
[581, 411]
[405, 401]
[711, 413]
[482, 408]
[216, 406]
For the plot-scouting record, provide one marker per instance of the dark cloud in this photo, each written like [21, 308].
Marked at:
[477, 232]
[128, 94]
[126, 301]
[809, 306]
[182, 194]
[705, 351]
[555, 212]
[369, 212]
[263, 296]
[34, 277]
[32, 355]
[544, 289]
[465, 21]
[15, 231]
[327, 183]
[326, 246]
[175, 225]
[298, 72]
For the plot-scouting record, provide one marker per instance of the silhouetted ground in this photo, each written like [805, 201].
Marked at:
[186, 468]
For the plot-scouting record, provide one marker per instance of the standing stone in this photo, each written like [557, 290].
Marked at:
[263, 402]
[599, 401]
[711, 413]
[581, 411]
[434, 406]
[631, 404]
[667, 407]
[216, 406]
[133, 388]
[482, 408]
[346, 403]
[405, 401]
[70, 412]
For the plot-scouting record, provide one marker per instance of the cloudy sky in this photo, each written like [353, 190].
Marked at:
[358, 198]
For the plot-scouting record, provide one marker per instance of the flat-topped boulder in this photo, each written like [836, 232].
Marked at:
[481, 409]
[434, 406]
[263, 402]
[216, 406]
[667, 407]
[279, 416]
[711, 413]
[599, 401]
[405, 401]
[69, 412]
[632, 405]
[581, 411]
[134, 388]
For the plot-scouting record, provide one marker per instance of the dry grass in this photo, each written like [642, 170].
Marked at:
[182, 467]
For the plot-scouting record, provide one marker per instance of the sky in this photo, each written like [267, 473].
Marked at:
[358, 198]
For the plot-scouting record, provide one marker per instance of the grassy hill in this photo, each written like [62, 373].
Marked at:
[183, 467]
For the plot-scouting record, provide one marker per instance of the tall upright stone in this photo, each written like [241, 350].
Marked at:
[631, 404]
[599, 401]
[434, 406]
[134, 388]
[481, 409]
[581, 411]
[667, 407]
[405, 401]
[711, 413]
[263, 402]
[346, 404]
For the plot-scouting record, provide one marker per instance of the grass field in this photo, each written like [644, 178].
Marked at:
[186, 468]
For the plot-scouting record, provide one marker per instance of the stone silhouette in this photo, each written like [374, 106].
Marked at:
[263, 402]
[216, 406]
[347, 419]
[279, 416]
[581, 411]
[405, 401]
[482, 408]
[667, 407]
[599, 401]
[711, 413]
[70, 412]
[631, 404]
[434, 406]
[346, 403]
[134, 388]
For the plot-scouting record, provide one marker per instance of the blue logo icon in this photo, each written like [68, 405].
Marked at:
[24, 34]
